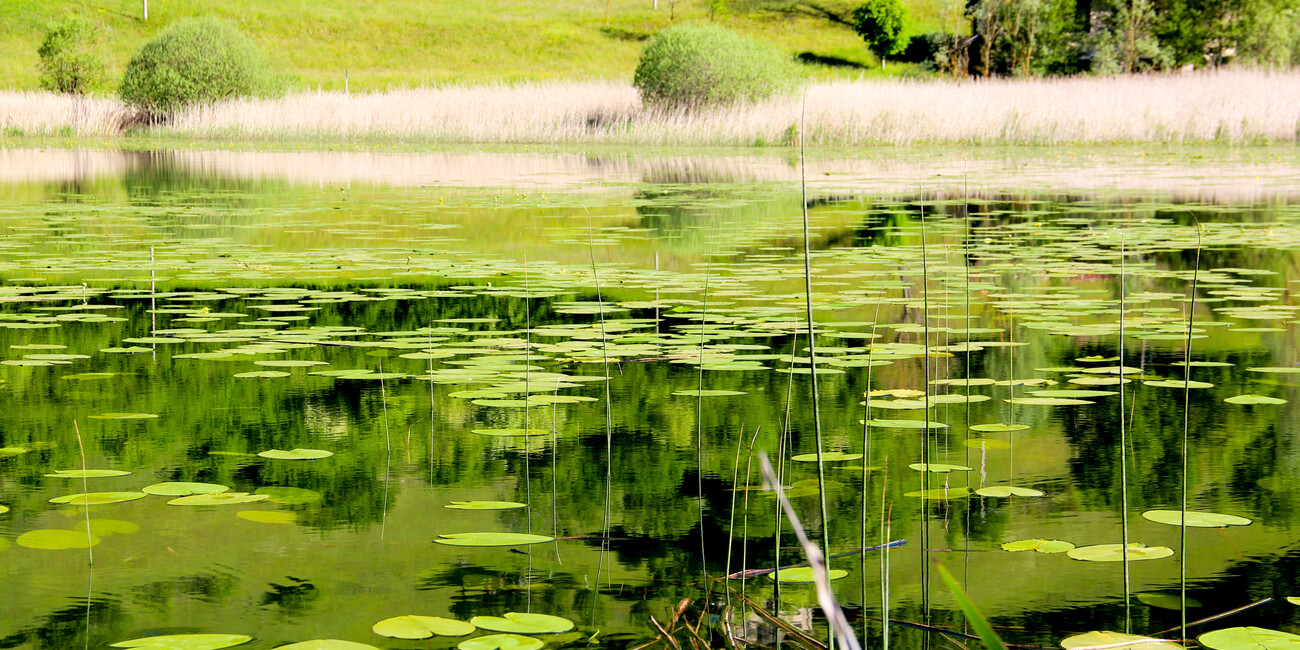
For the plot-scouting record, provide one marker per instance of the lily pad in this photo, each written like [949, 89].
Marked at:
[262, 374]
[1254, 399]
[86, 473]
[220, 499]
[56, 539]
[1177, 383]
[501, 642]
[523, 623]
[1048, 546]
[181, 489]
[1249, 638]
[1194, 519]
[268, 516]
[421, 627]
[904, 424]
[1047, 401]
[326, 644]
[97, 498]
[124, 416]
[296, 454]
[829, 456]
[941, 493]
[1115, 639]
[1288, 370]
[1007, 491]
[804, 574]
[186, 641]
[1117, 552]
[485, 505]
[510, 432]
[492, 539]
[939, 468]
[998, 427]
[708, 393]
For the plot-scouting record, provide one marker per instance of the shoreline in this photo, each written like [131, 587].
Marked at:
[1231, 106]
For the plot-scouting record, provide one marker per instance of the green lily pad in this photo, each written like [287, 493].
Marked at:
[262, 374]
[86, 473]
[492, 539]
[421, 627]
[289, 496]
[268, 516]
[828, 457]
[3, 509]
[326, 644]
[904, 424]
[1249, 638]
[998, 427]
[1117, 552]
[296, 454]
[97, 498]
[1048, 546]
[485, 505]
[939, 468]
[56, 539]
[804, 574]
[219, 499]
[1194, 519]
[1287, 370]
[1177, 383]
[523, 623]
[181, 489]
[1047, 401]
[1114, 639]
[290, 363]
[510, 432]
[708, 393]
[186, 641]
[124, 416]
[1007, 491]
[501, 642]
[1254, 399]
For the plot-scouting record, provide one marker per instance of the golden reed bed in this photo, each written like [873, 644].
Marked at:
[1212, 106]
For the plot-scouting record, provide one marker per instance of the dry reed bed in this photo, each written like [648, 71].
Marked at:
[1214, 106]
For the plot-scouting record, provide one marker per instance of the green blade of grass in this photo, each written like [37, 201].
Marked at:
[977, 620]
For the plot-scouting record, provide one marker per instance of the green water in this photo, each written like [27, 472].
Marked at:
[455, 295]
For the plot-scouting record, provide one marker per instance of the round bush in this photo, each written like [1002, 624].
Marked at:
[195, 62]
[689, 67]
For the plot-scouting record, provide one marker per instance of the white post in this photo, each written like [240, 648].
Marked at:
[146, 9]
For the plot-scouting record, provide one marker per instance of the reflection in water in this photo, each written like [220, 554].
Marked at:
[324, 286]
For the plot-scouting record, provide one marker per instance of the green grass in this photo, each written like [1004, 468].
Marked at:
[419, 42]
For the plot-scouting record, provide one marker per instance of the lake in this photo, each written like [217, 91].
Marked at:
[308, 392]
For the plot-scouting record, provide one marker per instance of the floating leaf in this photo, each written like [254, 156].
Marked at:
[998, 427]
[941, 493]
[1007, 491]
[829, 456]
[220, 499]
[523, 623]
[1115, 639]
[1194, 519]
[1249, 638]
[485, 505]
[289, 496]
[124, 416]
[1178, 383]
[262, 374]
[492, 539]
[938, 468]
[502, 642]
[708, 393]
[1277, 370]
[56, 539]
[181, 489]
[267, 516]
[186, 641]
[904, 424]
[804, 574]
[511, 432]
[1117, 552]
[86, 473]
[1048, 546]
[1047, 401]
[1293, 600]
[97, 498]
[290, 363]
[296, 454]
[421, 627]
[1254, 399]
[326, 644]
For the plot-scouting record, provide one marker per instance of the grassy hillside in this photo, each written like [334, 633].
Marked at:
[386, 43]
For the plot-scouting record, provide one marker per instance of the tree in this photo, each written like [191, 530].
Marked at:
[880, 24]
[71, 61]
[1023, 37]
[195, 62]
[689, 67]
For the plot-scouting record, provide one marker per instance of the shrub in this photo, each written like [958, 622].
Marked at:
[192, 63]
[689, 67]
[880, 24]
[70, 56]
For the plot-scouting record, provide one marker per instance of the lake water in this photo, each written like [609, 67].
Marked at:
[405, 317]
